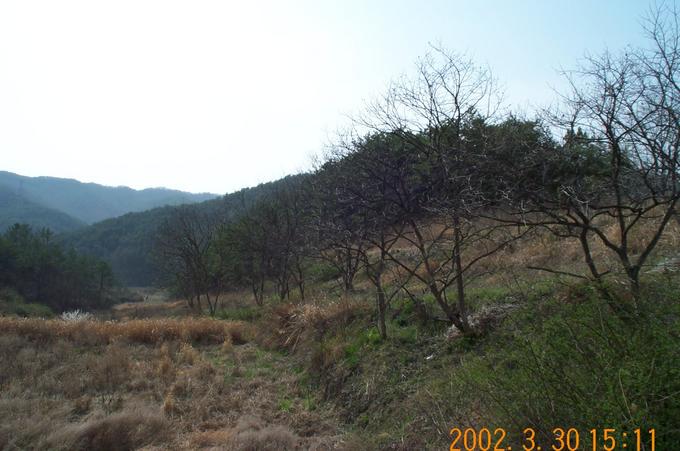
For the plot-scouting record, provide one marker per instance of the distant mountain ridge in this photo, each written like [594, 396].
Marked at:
[16, 209]
[40, 200]
[118, 225]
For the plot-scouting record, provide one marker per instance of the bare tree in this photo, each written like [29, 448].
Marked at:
[186, 246]
[292, 212]
[426, 119]
[247, 246]
[338, 229]
[619, 162]
[267, 242]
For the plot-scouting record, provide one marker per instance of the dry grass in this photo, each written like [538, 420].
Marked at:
[542, 249]
[249, 434]
[197, 330]
[288, 325]
[125, 430]
[65, 392]
[150, 310]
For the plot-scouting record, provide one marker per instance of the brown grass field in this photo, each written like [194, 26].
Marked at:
[189, 383]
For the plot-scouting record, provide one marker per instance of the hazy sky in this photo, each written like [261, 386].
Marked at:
[218, 95]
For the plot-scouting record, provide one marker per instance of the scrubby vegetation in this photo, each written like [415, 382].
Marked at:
[547, 353]
[447, 267]
[455, 267]
[318, 375]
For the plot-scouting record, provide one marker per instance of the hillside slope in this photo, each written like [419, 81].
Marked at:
[90, 202]
[126, 242]
[17, 209]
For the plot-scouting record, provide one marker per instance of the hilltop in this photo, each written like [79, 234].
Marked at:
[67, 204]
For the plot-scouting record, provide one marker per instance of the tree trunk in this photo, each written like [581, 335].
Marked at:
[212, 305]
[348, 283]
[198, 303]
[349, 271]
[458, 269]
[300, 279]
[633, 273]
[452, 315]
[258, 290]
[283, 288]
[380, 299]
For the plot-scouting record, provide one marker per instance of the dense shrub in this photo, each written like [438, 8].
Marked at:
[571, 362]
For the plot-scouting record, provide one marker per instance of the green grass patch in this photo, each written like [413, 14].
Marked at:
[285, 405]
[246, 313]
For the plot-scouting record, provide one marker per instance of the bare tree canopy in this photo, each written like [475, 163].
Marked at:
[619, 159]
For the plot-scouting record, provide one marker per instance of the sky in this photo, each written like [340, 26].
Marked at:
[214, 96]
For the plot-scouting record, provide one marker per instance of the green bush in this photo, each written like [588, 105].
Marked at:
[323, 272]
[11, 303]
[573, 363]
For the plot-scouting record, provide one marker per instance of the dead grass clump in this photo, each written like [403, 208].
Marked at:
[181, 386]
[108, 374]
[325, 356]
[82, 404]
[169, 406]
[10, 347]
[188, 355]
[227, 346]
[149, 331]
[166, 369]
[309, 322]
[208, 439]
[125, 430]
[109, 370]
[25, 421]
[202, 371]
[188, 329]
[274, 438]
[249, 434]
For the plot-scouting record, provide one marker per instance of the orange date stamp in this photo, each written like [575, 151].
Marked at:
[563, 439]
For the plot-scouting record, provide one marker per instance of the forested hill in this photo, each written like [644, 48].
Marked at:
[17, 209]
[127, 242]
[85, 202]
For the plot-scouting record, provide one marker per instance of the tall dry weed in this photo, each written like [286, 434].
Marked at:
[288, 325]
[151, 331]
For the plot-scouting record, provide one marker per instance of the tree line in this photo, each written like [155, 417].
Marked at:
[434, 178]
[36, 267]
